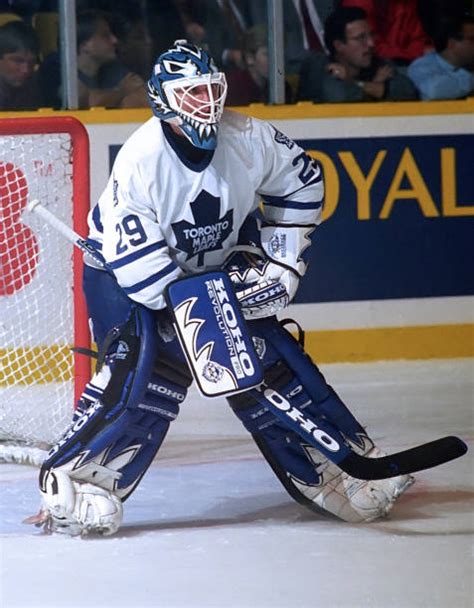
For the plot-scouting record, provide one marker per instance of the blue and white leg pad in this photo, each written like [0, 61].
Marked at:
[116, 438]
[303, 470]
[294, 376]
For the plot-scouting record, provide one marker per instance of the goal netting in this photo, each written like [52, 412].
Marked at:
[42, 312]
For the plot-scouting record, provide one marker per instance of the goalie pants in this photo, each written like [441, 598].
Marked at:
[149, 389]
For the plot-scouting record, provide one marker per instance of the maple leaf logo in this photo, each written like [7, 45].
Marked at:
[209, 230]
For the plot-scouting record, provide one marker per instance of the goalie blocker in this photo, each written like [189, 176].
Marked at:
[213, 334]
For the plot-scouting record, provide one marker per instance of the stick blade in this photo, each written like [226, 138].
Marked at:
[415, 459]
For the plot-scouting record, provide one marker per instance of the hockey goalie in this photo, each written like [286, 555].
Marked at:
[204, 229]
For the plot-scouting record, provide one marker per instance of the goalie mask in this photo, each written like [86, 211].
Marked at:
[187, 89]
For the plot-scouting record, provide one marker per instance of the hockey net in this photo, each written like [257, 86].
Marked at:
[42, 311]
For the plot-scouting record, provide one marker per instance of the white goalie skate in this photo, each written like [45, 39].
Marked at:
[349, 499]
[75, 509]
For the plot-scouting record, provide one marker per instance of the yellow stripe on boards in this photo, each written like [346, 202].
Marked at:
[385, 343]
[43, 364]
[298, 111]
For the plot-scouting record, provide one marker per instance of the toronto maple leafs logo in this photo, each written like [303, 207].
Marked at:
[209, 230]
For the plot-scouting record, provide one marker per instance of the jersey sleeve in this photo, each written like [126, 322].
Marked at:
[133, 243]
[291, 188]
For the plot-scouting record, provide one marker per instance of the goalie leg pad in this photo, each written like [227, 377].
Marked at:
[292, 373]
[303, 470]
[123, 415]
[117, 437]
[130, 361]
[86, 493]
[283, 448]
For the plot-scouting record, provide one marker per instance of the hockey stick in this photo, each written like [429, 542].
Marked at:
[422, 457]
[36, 207]
[331, 443]
[415, 459]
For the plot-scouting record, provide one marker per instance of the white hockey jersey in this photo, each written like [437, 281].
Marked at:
[160, 213]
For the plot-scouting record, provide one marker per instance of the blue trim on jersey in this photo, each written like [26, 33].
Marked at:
[280, 201]
[171, 138]
[96, 219]
[136, 255]
[96, 244]
[154, 278]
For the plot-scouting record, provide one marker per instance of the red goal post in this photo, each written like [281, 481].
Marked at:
[42, 308]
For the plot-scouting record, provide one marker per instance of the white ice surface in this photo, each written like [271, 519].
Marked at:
[210, 525]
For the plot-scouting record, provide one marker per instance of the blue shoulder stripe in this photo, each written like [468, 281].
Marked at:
[279, 201]
[136, 255]
[154, 278]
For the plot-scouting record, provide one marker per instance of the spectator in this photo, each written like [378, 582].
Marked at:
[352, 72]
[250, 85]
[219, 26]
[398, 33]
[303, 22]
[19, 89]
[135, 46]
[102, 79]
[447, 72]
[128, 22]
[224, 23]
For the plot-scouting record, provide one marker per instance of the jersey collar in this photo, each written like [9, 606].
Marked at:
[193, 158]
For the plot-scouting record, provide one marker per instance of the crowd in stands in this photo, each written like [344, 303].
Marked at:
[335, 50]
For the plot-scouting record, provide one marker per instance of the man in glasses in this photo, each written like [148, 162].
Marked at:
[352, 71]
